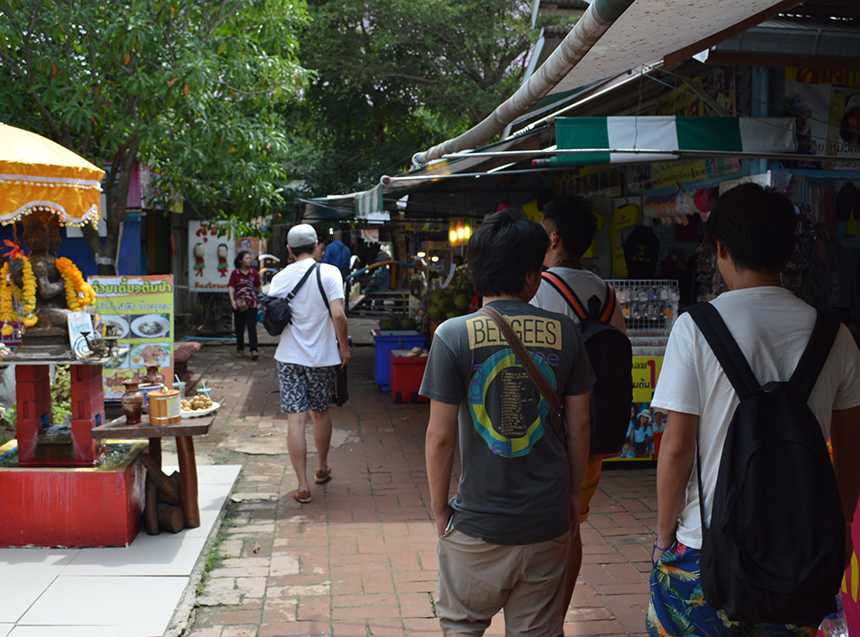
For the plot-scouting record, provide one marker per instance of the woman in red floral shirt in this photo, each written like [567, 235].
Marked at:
[243, 287]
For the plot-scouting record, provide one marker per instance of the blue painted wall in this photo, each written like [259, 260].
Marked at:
[79, 251]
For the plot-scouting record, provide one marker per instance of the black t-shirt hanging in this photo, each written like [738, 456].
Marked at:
[640, 253]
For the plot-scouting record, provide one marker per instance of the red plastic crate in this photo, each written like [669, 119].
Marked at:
[407, 372]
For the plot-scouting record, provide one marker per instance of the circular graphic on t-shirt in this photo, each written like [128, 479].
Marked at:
[511, 423]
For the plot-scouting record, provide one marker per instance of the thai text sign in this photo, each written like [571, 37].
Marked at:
[646, 371]
[138, 312]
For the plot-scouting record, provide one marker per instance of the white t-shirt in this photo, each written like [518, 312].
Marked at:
[772, 328]
[584, 283]
[310, 339]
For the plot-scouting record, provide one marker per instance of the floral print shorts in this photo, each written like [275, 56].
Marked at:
[678, 607]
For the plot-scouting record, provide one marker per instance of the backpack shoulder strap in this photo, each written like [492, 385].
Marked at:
[567, 293]
[725, 348]
[609, 305]
[815, 355]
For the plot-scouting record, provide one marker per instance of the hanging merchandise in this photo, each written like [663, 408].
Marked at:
[710, 282]
[640, 253]
[809, 273]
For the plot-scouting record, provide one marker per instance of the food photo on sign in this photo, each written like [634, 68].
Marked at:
[138, 313]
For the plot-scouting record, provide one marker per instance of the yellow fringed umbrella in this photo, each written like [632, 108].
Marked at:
[36, 173]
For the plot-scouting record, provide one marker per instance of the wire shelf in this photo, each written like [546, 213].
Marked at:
[650, 307]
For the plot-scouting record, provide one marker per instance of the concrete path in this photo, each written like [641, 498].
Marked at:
[360, 560]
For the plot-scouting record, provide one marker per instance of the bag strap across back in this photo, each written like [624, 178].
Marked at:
[603, 314]
[301, 282]
[529, 365]
[322, 293]
[735, 364]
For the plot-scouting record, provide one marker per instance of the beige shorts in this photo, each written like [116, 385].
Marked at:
[593, 468]
[478, 579]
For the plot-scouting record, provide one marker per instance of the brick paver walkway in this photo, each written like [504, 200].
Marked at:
[360, 560]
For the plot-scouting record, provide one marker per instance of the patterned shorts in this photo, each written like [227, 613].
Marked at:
[305, 388]
[678, 606]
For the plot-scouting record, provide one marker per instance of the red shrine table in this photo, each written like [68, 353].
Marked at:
[185, 495]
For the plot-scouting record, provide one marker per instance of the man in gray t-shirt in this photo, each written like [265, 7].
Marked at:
[504, 536]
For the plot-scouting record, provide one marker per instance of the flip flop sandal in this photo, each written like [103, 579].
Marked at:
[302, 495]
[255, 355]
[323, 476]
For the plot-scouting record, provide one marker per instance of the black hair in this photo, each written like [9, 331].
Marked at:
[504, 249]
[575, 224]
[305, 249]
[237, 262]
[756, 225]
[544, 196]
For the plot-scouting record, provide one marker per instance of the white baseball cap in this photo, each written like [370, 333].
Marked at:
[301, 235]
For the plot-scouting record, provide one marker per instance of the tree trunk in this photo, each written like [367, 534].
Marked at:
[115, 209]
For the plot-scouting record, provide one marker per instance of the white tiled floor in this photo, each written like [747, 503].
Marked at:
[101, 592]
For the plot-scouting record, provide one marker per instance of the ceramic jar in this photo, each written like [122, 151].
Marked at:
[152, 376]
[132, 402]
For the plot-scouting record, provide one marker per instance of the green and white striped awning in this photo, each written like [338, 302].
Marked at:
[369, 203]
[661, 138]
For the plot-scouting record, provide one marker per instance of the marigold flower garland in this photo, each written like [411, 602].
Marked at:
[26, 296]
[79, 293]
[7, 314]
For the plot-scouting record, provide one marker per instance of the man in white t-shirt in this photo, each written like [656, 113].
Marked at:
[310, 350]
[753, 232]
[571, 226]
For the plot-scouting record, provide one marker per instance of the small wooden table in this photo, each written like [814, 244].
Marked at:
[183, 432]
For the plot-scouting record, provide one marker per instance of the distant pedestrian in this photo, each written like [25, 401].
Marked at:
[380, 280]
[337, 253]
[310, 350]
[242, 288]
[504, 537]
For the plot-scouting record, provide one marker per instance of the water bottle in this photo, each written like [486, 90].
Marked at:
[834, 624]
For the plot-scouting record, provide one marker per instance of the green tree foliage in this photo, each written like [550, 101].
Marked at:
[186, 86]
[394, 77]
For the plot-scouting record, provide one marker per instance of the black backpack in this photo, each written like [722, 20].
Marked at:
[775, 549]
[277, 313]
[611, 357]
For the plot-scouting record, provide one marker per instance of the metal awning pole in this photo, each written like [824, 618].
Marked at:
[635, 151]
[599, 16]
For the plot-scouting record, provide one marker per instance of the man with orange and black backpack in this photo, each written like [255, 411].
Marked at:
[568, 288]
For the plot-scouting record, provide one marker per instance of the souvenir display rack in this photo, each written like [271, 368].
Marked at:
[650, 307]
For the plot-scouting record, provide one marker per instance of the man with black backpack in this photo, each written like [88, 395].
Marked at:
[568, 288]
[754, 522]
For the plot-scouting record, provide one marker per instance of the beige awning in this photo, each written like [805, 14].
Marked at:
[612, 37]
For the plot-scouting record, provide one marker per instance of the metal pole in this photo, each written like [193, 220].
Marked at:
[599, 16]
